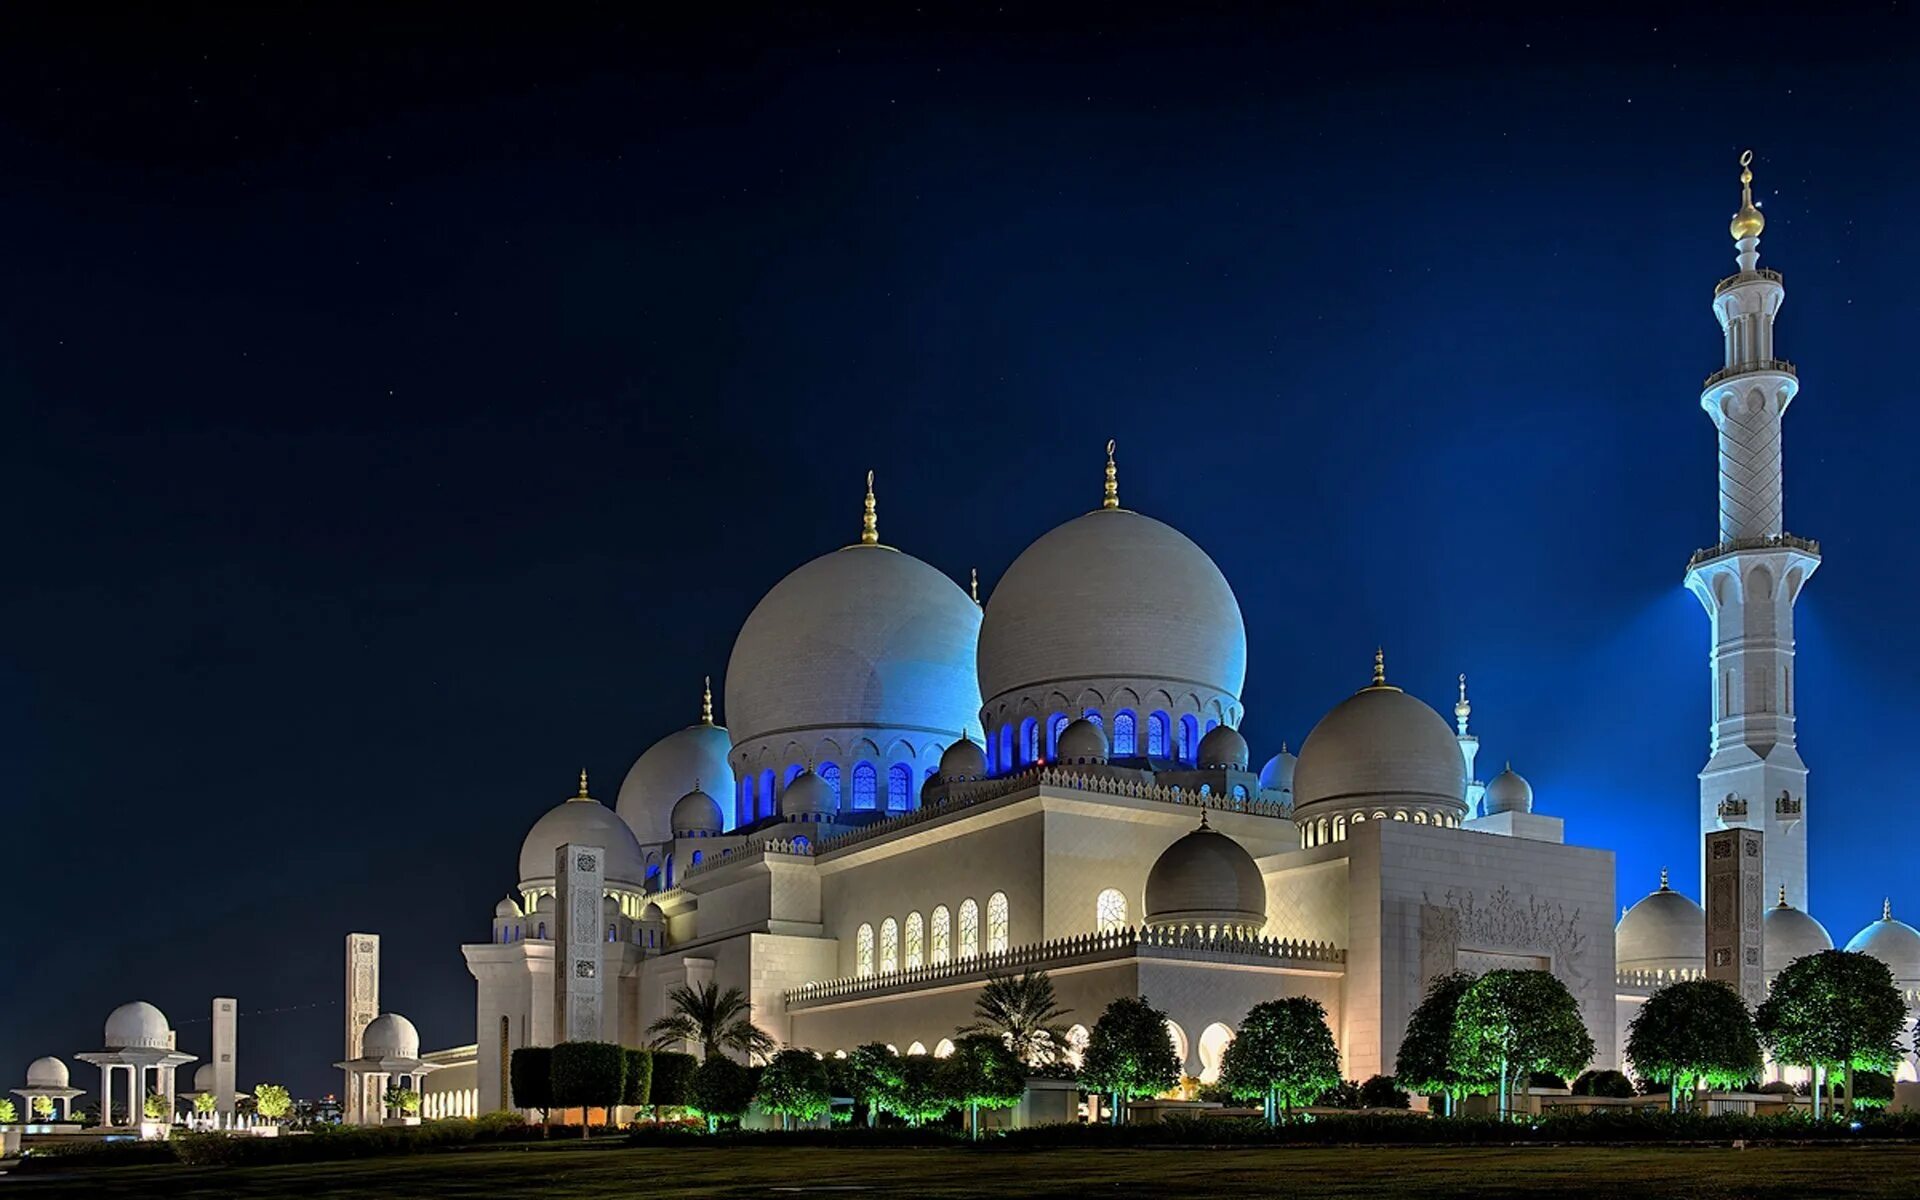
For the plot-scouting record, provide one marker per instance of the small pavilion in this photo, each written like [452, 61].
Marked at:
[389, 1054]
[139, 1040]
[48, 1077]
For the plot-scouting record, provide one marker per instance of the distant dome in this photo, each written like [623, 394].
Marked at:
[696, 812]
[652, 912]
[203, 1078]
[673, 766]
[1277, 775]
[48, 1072]
[1206, 878]
[1113, 594]
[861, 638]
[583, 821]
[544, 903]
[1380, 746]
[1081, 742]
[1223, 747]
[390, 1035]
[508, 907]
[1788, 933]
[138, 1026]
[1665, 931]
[962, 761]
[807, 795]
[1509, 791]
[1894, 943]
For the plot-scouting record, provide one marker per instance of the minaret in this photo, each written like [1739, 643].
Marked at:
[1469, 750]
[1749, 581]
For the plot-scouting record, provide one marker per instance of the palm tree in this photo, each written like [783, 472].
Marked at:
[1021, 1011]
[715, 1019]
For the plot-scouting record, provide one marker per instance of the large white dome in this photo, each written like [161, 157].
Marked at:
[1113, 595]
[1788, 934]
[864, 638]
[1206, 878]
[48, 1072]
[138, 1026]
[1380, 746]
[1665, 931]
[684, 760]
[390, 1035]
[1894, 943]
[583, 821]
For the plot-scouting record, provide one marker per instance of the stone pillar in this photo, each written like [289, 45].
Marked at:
[1735, 885]
[363, 1005]
[106, 1096]
[579, 875]
[225, 1011]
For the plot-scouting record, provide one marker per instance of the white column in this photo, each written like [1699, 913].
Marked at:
[106, 1096]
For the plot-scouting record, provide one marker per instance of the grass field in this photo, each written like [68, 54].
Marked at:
[592, 1173]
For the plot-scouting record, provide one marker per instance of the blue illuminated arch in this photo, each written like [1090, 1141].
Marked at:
[830, 775]
[865, 785]
[899, 787]
[1125, 742]
[743, 810]
[1158, 726]
[1093, 714]
[1055, 724]
[768, 797]
[1029, 740]
[1006, 749]
[1189, 738]
[793, 773]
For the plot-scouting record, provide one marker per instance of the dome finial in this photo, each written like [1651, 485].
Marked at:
[1110, 498]
[973, 583]
[1203, 819]
[1379, 666]
[1461, 709]
[583, 786]
[1749, 221]
[1886, 909]
[869, 524]
[1663, 880]
[1783, 897]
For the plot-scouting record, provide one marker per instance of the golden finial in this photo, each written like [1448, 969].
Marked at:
[973, 584]
[706, 700]
[1379, 666]
[1749, 221]
[1111, 497]
[1461, 709]
[1663, 880]
[583, 786]
[1783, 897]
[869, 525]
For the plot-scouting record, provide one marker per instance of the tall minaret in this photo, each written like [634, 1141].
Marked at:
[1469, 750]
[1749, 581]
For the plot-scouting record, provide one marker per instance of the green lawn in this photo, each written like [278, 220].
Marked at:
[593, 1173]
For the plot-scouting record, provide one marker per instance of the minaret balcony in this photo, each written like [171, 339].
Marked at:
[1779, 541]
[1733, 808]
[1739, 277]
[1773, 366]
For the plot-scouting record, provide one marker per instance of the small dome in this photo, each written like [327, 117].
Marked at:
[390, 1035]
[1277, 775]
[1509, 792]
[1081, 742]
[1665, 931]
[1894, 943]
[962, 761]
[48, 1072]
[545, 903]
[582, 821]
[673, 766]
[697, 813]
[1223, 747]
[138, 1026]
[652, 912]
[1788, 933]
[1748, 222]
[203, 1080]
[508, 907]
[1380, 745]
[609, 905]
[1206, 878]
[806, 796]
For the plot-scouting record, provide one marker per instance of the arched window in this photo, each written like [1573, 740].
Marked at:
[889, 946]
[830, 775]
[542, 935]
[917, 1048]
[1400, 814]
[997, 923]
[1239, 791]
[916, 942]
[1214, 1040]
[1110, 910]
[743, 811]
[802, 844]
[1006, 749]
[793, 773]
[653, 879]
[1055, 724]
[1206, 789]
[1339, 829]
[769, 799]
[1157, 735]
[969, 929]
[1210, 727]
[1420, 817]
[863, 951]
[1189, 738]
[864, 782]
[669, 870]
[1125, 744]
[942, 934]
[943, 1048]
[1320, 832]
[697, 856]
[1093, 714]
[1077, 1039]
[899, 787]
[1029, 740]
[1178, 1037]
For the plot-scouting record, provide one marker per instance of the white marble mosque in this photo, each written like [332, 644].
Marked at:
[919, 789]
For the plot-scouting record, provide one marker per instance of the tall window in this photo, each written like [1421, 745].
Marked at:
[830, 773]
[1006, 749]
[1125, 744]
[793, 773]
[889, 946]
[769, 799]
[1029, 741]
[899, 787]
[865, 779]
[1157, 735]
[996, 922]
[1110, 910]
[1055, 724]
[942, 934]
[1093, 714]
[916, 940]
[1189, 738]
[969, 929]
[743, 812]
[863, 951]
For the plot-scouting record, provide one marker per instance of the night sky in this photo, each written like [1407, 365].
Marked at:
[400, 417]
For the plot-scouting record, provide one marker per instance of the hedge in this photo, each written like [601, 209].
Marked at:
[326, 1143]
[672, 1072]
[530, 1077]
[588, 1074]
[639, 1082]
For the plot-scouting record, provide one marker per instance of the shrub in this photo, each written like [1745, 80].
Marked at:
[855, 1137]
[1380, 1091]
[588, 1075]
[794, 1085]
[8, 1113]
[672, 1078]
[1872, 1089]
[272, 1101]
[1129, 1054]
[1611, 1084]
[530, 1078]
[1345, 1094]
[721, 1089]
[639, 1080]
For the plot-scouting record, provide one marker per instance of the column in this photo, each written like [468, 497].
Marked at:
[106, 1096]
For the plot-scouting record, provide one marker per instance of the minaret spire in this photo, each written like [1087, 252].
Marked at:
[1110, 496]
[1379, 666]
[583, 786]
[973, 584]
[1469, 749]
[706, 700]
[1749, 221]
[869, 523]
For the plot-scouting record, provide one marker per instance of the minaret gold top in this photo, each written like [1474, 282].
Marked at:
[1749, 221]
[869, 524]
[1110, 498]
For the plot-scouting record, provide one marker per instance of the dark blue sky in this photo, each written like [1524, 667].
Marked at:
[399, 417]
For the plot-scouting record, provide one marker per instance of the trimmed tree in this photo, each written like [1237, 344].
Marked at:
[1837, 1010]
[272, 1101]
[1692, 1032]
[672, 1080]
[794, 1085]
[1023, 1012]
[983, 1072]
[588, 1075]
[1130, 1053]
[721, 1090]
[873, 1069]
[530, 1078]
[1284, 1054]
[712, 1020]
[922, 1094]
[637, 1090]
[1512, 1023]
[1424, 1063]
